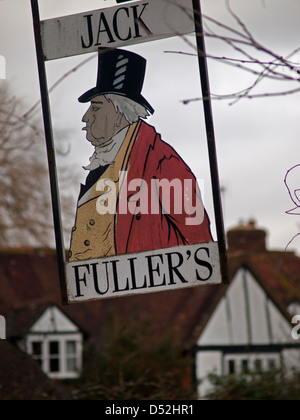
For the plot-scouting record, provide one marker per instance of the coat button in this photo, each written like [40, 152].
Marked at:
[87, 243]
[92, 222]
[74, 229]
[70, 254]
[138, 216]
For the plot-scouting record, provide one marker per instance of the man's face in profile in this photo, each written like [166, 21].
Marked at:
[102, 121]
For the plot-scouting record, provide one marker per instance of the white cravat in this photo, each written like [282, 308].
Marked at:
[106, 154]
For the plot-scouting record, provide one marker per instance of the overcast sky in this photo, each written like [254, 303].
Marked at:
[257, 140]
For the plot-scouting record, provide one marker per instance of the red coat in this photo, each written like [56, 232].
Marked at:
[150, 159]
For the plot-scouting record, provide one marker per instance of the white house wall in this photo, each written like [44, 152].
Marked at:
[53, 321]
[246, 315]
[261, 321]
[204, 363]
[281, 328]
[291, 359]
[217, 331]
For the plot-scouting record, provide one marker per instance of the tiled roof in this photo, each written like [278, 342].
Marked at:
[17, 368]
[279, 274]
[19, 321]
[27, 278]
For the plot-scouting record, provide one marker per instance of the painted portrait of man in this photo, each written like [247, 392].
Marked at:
[139, 194]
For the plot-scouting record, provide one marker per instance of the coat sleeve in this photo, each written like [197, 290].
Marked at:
[181, 202]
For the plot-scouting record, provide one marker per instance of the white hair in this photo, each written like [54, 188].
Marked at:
[131, 110]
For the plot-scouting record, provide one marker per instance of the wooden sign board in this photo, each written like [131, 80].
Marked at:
[146, 272]
[140, 225]
[126, 24]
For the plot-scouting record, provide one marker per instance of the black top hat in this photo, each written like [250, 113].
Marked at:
[122, 73]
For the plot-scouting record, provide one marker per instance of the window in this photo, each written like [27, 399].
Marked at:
[245, 367]
[247, 364]
[272, 365]
[231, 367]
[54, 356]
[71, 356]
[37, 351]
[60, 356]
[258, 366]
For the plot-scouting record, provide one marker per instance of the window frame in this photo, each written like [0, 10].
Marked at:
[252, 360]
[62, 339]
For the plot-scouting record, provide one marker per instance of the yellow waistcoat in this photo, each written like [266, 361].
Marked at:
[93, 235]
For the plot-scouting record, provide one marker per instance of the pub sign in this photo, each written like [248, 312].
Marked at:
[140, 225]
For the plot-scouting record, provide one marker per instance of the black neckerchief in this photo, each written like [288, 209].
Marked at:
[91, 179]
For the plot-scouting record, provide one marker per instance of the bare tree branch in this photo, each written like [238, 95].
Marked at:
[25, 199]
[248, 55]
